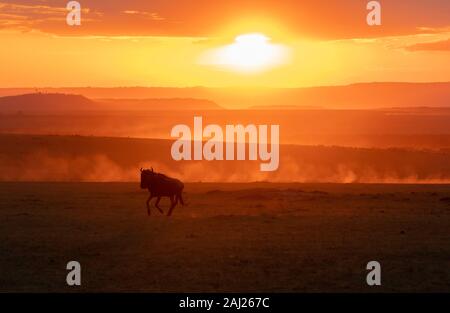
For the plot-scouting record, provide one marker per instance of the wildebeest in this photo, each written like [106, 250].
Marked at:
[160, 185]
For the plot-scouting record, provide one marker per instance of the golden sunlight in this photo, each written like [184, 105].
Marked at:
[249, 53]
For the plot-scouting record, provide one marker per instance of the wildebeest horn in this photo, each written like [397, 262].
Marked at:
[152, 169]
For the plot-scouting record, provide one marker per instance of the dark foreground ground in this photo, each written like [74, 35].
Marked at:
[230, 238]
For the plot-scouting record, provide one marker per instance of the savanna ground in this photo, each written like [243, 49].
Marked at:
[230, 238]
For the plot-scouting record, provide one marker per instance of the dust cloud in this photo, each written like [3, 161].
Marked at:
[43, 165]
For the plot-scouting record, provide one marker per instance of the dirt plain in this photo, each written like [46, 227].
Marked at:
[255, 237]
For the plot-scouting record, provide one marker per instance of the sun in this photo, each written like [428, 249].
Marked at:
[252, 52]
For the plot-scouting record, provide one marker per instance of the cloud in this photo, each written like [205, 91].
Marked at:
[27, 17]
[150, 15]
[321, 19]
[443, 45]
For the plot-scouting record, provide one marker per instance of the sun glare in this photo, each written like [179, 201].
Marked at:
[249, 53]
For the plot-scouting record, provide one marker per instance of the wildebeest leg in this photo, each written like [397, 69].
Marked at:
[157, 205]
[148, 203]
[180, 197]
[173, 204]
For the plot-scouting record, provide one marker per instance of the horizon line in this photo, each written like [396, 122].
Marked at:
[230, 87]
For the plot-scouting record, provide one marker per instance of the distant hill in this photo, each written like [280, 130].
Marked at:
[58, 102]
[284, 107]
[38, 102]
[159, 104]
[362, 96]
[355, 96]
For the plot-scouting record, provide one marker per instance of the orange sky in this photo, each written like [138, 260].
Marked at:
[171, 43]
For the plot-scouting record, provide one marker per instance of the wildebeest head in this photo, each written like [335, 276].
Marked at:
[146, 178]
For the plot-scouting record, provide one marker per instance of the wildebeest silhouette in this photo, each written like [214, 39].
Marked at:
[160, 185]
